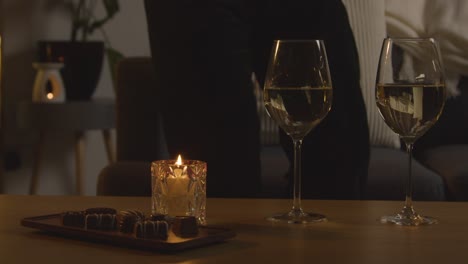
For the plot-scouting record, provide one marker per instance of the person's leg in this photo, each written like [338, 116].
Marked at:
[336, 153]
[202, 60]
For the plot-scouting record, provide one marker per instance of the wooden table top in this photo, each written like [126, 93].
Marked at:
[352, 234]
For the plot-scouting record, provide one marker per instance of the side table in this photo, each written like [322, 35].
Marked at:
[75, 116]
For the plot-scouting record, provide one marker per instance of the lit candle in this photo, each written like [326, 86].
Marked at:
[179, 182]
[179, 188]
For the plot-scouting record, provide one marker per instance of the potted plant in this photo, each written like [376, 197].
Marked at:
[83, 58]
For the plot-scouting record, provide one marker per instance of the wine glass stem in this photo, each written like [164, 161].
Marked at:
[297, 175]
[409, 183]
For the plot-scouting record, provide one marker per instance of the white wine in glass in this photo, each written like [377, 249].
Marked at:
[298, 95]
[410, 95]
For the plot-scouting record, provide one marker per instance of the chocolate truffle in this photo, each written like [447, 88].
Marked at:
[100, 210]
[127, 220]
[73, 218]
[104, 222]
[151, 229]
[157, 217]
[185, 226]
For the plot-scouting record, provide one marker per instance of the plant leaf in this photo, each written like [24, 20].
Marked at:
[97, 24]
[111, 6]
[113, 58]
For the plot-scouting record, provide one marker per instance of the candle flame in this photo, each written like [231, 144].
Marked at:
[50, 96]
[179, 160]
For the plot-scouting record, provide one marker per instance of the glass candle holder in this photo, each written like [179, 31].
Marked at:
[179, 188]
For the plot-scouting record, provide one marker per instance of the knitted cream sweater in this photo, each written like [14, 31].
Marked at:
[446, 21]
[367, 19]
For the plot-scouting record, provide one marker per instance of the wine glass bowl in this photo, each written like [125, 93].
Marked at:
[297, 110]
[410, 95]
[298, 95]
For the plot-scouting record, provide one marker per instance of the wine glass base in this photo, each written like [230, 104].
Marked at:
[297, 217]
[408, 220]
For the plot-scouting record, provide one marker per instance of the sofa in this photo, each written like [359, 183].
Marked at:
[440, 175]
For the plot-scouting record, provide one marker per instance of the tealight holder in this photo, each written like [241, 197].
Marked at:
[48, 84]
[179, 188]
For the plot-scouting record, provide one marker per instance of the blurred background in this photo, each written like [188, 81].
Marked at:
[22, 24]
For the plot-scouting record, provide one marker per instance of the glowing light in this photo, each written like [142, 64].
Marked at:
[179, 160]
[50, 96]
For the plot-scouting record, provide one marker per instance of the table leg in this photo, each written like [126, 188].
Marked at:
[79, 157]
[37, 163]
[106, 134]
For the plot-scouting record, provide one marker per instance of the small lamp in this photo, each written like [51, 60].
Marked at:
[48, 85]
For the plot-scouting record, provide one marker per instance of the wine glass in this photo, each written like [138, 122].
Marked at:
[298, 95]
[410, 95]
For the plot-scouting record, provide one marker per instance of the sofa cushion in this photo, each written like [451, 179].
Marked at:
[450, 161]
[388, 171]
[275, 167]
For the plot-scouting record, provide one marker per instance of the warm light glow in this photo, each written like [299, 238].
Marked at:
[179, 160]
[50, 96]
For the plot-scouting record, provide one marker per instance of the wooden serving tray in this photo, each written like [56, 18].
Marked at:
[207, 235]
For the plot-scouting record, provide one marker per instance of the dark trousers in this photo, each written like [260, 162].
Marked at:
[204, 53]
[452, 126]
